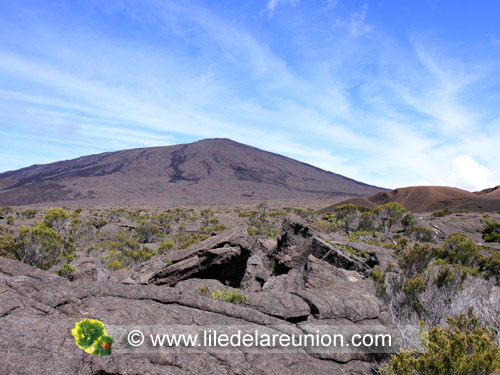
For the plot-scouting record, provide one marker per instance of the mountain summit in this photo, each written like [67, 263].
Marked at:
[207, 171]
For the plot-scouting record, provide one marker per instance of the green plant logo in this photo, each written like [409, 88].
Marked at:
[91, 336]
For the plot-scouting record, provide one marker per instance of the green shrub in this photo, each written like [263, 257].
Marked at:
[278, 213]
[185, 240]
[388, 214]
[99, 222]
[465, 348]
[450, 275]
[301, 212]
[493, 263]
[29, 214]
[66, 270]
[491, 232]
[355, 252]
[458, 249]
[348, 216]
[115, 265]
[8, 247]
[203, 290]
[147, 232]
[10, 220]
[420, 234]
[366, 222]
[326, 224]
[41, 246]
[412, 288]
[114, 214]
[441, 213]
[227, 296]
[370, 238]
[127, 252]
[408, 221]
[415, 285]
[163, 221]
[6, 210]
[165, 247]
[379, 277]
[56, 218]
[415, 259]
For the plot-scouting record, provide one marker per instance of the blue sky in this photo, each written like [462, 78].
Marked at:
[392, 93]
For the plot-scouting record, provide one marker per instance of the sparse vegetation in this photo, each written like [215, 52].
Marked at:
[8, 247]
[448, 211]
[429, 278]
[491, 232]
[56, 218]
[6, 210]
[165, 247]
[233, 297]
[41, 246]
[388, 214]
[466, 347]
[379, 277]
[147, 232]
[223, 295]
[66, 270]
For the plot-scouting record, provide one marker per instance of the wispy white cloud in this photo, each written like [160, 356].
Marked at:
[354, 22]
[358, 25]
[332, 4]
[273, 4]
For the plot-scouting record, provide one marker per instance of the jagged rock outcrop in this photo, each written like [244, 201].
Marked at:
[298, 241]
[222, 257]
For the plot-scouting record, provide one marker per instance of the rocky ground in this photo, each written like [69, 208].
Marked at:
[296, 280]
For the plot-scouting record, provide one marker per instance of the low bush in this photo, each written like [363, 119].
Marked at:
[458, 249]
[415, 259]
[491, 232]
[8, 247]
[418, 233]
[227, 296]
[466, 347]
[165, 247]
[41, 246]
[147, 232]
[66, 270]
[56, 218]
[379, 277]
[441, 213]
[6, 210]
[29, 214]
[493, 263]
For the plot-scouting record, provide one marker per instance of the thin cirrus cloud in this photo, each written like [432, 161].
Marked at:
[325, 82]
[273, 4]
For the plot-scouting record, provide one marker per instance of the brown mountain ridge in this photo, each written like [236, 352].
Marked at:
[205, 172]
[431, 198]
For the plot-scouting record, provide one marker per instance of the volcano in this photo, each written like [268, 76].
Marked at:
[204, 172]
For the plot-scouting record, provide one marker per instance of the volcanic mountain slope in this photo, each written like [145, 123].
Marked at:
[207, 171]
[431, 198]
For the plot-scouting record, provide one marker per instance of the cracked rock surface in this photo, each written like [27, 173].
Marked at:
[314, 286]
